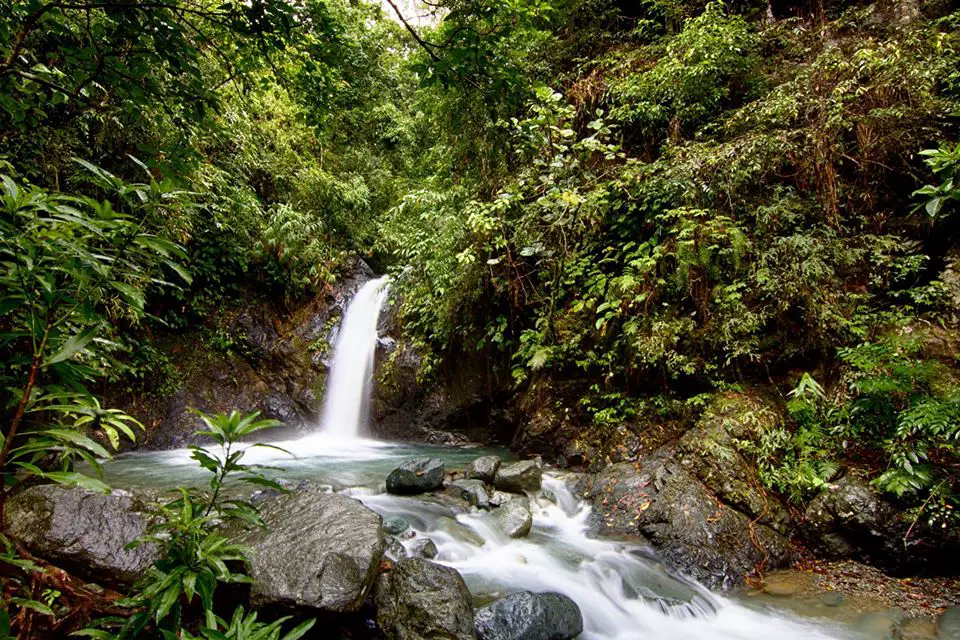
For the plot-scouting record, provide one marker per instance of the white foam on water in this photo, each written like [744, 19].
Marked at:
[623, 592]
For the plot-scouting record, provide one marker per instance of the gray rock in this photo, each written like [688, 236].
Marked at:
[529, 616]
[419, 599]
[82, 531]
[424, 548]
[519, 477]
[835, 599]
[699, 535]
[483, 468]
[319, 550]
[501, 497]
[514, 518]
[417, 475]
[948, 625]
[711, 452]
[474, 492]
[852, 519]
[395, 525]
[395, 549]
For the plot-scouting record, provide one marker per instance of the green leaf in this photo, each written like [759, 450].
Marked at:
[189, 585]
[39, 607]
[167, 600]
[179, 270]
[132, 295]
[74, 479]
[300, 630]
[72, 346]
[78, 439]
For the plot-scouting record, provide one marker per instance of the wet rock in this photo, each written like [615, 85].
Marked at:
[420, 599]
[530, 616]
[474, 492]
[711, 452]
[453, 497]
[835, 599]
[282, 407]
[514, 518]
[519, 477]
[483, 468]
[82, 531]
[851, 519]
[418, 475]
[395, 525]
[882, 625]
[695, 532]
[501, 497]
[948, 625]
[548, 495]
[395, 549]
[458, 531]
[655, 583]
[424, 548]
[257, 331]
[319, 550]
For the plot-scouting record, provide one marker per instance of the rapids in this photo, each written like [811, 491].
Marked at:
[623, 590]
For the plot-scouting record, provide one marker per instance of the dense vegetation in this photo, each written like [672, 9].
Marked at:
[656, 200]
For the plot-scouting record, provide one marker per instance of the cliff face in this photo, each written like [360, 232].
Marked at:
[256, 355]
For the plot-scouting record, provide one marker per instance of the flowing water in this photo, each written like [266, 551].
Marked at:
[623, 590]
[346, 406]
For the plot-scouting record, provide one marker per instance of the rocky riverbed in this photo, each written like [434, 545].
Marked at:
[414, 547]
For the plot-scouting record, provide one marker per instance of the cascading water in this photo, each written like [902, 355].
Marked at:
[623, 591]
[347, 402]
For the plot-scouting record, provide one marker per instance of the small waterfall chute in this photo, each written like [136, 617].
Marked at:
[347, 401]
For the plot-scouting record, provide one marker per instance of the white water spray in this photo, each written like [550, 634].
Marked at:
[347, 402]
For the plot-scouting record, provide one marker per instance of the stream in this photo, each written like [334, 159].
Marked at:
[622, 589]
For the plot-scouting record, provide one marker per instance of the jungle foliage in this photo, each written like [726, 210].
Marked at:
[658, 200]
[694, 195]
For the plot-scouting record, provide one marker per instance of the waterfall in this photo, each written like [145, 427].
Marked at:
[346, 406]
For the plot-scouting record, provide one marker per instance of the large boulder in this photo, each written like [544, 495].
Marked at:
[82, 531]
[529, 616]
[514, 518]
[852, 519]
[693, 530]
[519, 477]
[319, 550]
[483, 468]
[711, 452]
[417, 475]
[418, 599]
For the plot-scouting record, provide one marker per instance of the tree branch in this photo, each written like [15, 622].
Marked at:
[426, 46]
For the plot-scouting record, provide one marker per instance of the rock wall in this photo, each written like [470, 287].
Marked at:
[258, 355]
[698, 501]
